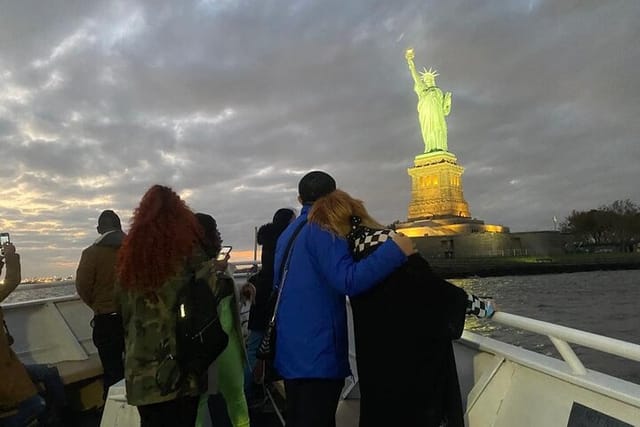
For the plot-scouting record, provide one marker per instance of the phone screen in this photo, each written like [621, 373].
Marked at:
[224, 252]
[4, 238]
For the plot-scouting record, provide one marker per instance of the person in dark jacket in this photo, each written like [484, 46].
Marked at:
[311, 351]
[258, 317]
[403, 327]
[95, 283]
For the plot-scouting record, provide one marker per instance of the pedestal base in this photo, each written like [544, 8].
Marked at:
[436, 187]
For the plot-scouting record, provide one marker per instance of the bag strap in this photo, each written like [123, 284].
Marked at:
[284, 267]
[6, 331]
[287, 251]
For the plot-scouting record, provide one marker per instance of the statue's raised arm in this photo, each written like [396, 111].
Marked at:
[409, 54]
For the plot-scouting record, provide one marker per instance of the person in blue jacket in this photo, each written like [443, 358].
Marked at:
[311, 319]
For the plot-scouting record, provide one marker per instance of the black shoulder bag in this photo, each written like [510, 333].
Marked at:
[266, 351]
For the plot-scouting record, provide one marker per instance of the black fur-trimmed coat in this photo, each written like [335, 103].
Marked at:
[403, 332]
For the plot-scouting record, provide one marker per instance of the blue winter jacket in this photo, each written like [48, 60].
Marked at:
[311, 322]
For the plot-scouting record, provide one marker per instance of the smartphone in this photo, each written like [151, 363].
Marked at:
[4, 238]
[224, 252]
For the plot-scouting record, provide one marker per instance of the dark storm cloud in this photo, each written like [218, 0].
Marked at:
[230, 102]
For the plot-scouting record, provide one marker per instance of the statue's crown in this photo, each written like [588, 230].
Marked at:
[430, 73]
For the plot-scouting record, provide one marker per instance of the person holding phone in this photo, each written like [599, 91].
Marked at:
[19, 400]
[224, 401]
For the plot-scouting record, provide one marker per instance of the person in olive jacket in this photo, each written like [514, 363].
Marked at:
[95, 281]
[19, 399]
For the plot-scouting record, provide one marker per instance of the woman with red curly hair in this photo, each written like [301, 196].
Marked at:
[160, 253]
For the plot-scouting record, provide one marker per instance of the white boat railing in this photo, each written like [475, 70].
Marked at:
[561, 336]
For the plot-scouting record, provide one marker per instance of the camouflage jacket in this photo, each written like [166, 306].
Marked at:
[151, 371]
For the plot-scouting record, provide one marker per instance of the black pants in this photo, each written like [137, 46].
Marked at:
[312, 402]
[180, 412]
[108, 337]
[218, 411]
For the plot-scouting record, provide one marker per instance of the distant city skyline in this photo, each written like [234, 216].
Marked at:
[230, 103]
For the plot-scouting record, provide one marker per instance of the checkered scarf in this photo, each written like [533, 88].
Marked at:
[363, 240]
[479, 307]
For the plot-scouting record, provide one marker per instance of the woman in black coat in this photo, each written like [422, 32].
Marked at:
[403, 328]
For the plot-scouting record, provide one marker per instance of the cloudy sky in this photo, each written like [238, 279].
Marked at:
[230, 102]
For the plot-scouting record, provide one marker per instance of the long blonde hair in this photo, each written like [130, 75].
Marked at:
[333, 212]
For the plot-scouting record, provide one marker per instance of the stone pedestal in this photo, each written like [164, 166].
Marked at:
[436, 187]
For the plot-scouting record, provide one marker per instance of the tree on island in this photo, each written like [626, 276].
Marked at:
[617, 224]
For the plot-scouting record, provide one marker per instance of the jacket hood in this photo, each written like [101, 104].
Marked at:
[111, 238]
[266, 233]
[271, 231]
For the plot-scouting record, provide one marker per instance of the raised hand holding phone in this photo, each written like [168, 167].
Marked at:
[222, 260]
[5, 241]
[224, 253]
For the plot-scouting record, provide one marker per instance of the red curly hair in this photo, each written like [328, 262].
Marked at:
[163, 234]
[333, 212]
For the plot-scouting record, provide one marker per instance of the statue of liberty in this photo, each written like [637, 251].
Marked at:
[433, 106]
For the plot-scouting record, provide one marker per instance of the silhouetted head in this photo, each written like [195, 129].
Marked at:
[314, 185]
[212, 240]
[283, 217]
[107, 221]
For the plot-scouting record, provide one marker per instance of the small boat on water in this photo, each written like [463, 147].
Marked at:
[502, 384]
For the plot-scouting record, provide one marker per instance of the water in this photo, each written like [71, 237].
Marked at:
[602, 302]
[30, 292]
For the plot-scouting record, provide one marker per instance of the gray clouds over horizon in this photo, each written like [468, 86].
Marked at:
[230, 102]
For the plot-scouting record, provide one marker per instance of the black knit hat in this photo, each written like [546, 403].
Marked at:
[109, 220]
[314, 185]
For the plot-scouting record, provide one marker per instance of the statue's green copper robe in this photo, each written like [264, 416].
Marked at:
[431, 113]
